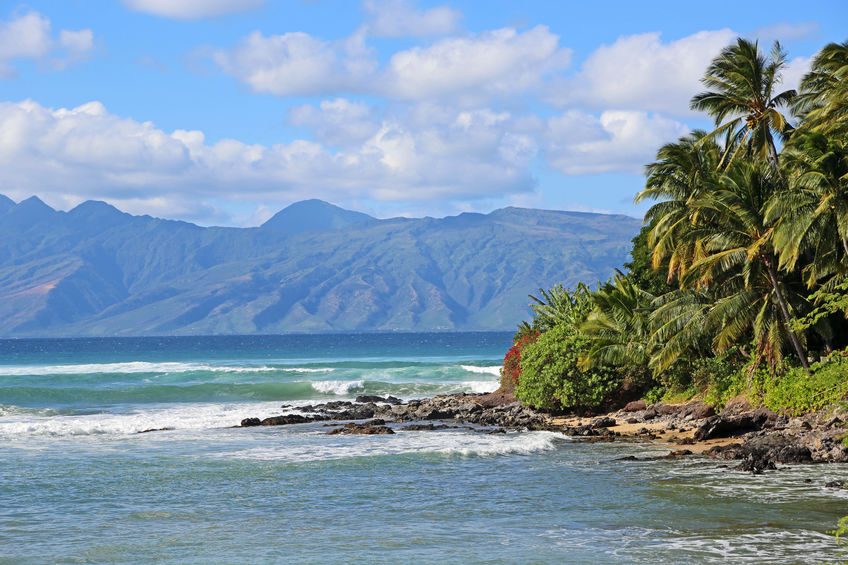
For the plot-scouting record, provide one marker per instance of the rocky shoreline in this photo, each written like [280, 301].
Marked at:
[755, 437]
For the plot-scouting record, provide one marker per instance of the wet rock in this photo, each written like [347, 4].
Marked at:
[835, 484]
[287, 419]
[428, 427]
[248, 422]
[366, 398]
[372, 427]
[155, 430]
[337, 405]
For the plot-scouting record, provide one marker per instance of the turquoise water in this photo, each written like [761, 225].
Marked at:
[79, 484]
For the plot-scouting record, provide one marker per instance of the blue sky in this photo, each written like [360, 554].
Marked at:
[224, 111]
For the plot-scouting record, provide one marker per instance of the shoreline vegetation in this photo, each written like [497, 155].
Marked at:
[736, 296]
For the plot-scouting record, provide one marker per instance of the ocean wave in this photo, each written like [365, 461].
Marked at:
[22, 424]
[339, 388]
[130, 367]
[491, 370]
[305, 447]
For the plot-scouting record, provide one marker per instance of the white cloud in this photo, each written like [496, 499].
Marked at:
[785, 31]
[399, 18]
[641, 72]
[338, 122]
[793, 73]
[617, 141]
[298, 64]
[192, 9]
[90, 153]
[469, 70]
[29, 37]
[493, 63]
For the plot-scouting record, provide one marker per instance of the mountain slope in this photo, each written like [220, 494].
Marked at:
[97, 271]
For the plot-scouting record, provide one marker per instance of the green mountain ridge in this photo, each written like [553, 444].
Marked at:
[313, 267]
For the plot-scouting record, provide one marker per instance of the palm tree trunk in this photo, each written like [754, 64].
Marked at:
[773, 151]
[787, 318]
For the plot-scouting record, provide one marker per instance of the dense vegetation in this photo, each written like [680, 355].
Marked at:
[737, 281]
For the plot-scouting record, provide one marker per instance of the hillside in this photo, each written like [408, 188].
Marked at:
[313, 267]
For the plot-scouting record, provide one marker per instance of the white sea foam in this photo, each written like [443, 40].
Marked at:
[337, 387]
[492, 370]
[481, 387]
[176, 417]
[133, 367]
[317, 446]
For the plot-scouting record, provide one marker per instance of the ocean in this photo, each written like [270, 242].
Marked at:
[79, 483]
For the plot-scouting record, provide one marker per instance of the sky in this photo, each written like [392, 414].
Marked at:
[222, 112]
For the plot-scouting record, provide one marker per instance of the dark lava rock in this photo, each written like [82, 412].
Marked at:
[289, 419]
[695, 411]
[666, 409]
[337, 405]
[155, 430]
[428, 427]
[603, 422]
[248, 422]
[634, 406]
[365, 398]
[762, 452]
[373, 427]
[728, 426]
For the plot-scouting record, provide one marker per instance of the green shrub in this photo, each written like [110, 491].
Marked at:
[726, 385]
[551, 379]
[798, 393]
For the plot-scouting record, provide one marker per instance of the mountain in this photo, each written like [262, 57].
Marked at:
[313, 267]
[313, 215]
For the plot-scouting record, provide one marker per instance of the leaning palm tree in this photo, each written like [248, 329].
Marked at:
[811, 217]
[683, 171]
[738, 257]
[822, 103]
[743, 85]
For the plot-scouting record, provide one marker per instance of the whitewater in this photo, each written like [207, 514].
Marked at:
[127, 450]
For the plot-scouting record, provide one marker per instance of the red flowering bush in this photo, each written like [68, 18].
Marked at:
[511, 370]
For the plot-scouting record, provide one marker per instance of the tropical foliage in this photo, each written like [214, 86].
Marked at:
[738, 278]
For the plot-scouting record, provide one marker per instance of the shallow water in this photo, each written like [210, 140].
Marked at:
[78, 484]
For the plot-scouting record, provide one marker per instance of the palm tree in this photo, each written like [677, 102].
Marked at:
[679, 326]
[738, 258]
[823, 101]
[742, 85]
[560, 306]
[682, 172]
[618, 327]
[815, 208]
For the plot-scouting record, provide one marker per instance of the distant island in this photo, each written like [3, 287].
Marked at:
[313, 267]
